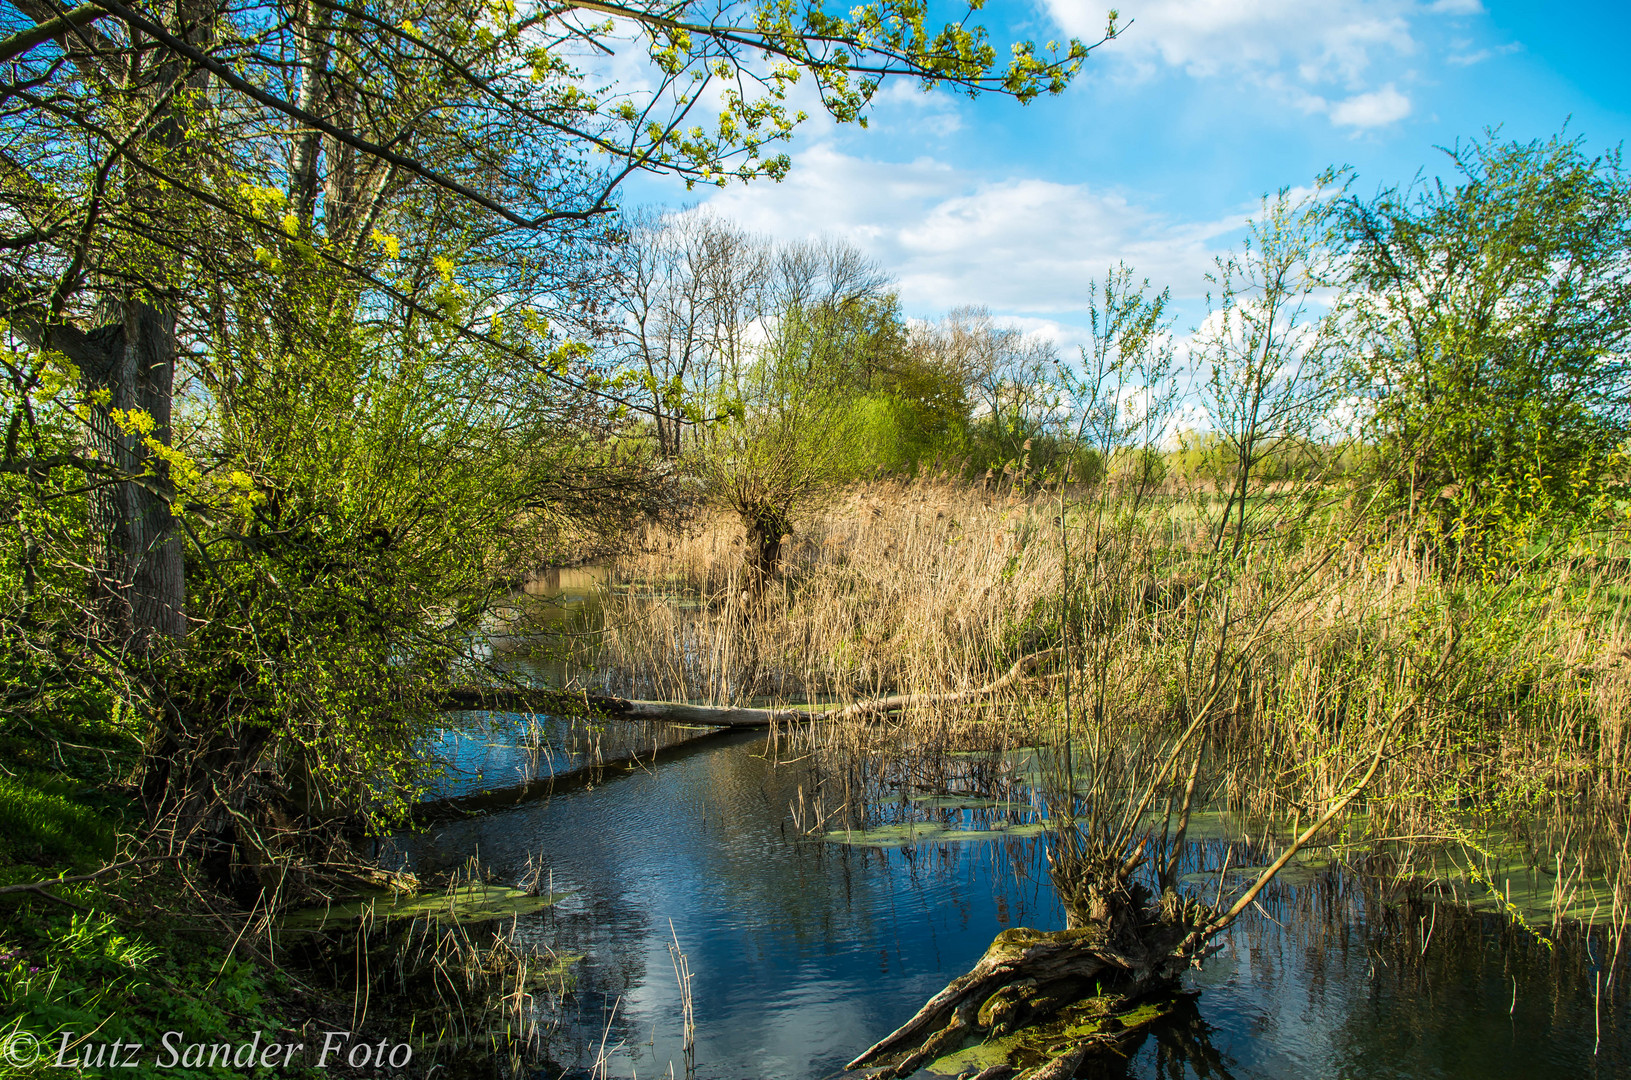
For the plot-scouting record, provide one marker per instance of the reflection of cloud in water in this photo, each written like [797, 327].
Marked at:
[794, 945]
[803, 953]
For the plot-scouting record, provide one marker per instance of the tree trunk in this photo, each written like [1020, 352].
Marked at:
[578, 703]
[1042, 1000]
[765, 525]
[135, 544]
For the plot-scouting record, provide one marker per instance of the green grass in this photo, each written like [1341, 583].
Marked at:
[91, 975]
[109, 959]
[49, 820]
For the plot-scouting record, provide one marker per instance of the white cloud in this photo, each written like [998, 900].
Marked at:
[903, 104]
[1024, 246]
[1466, 56]
[1375, 109]
[1065, 337]
[1306, 53]
[1321, 40]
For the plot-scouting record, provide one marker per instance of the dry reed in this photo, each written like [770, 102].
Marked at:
[1296, 648]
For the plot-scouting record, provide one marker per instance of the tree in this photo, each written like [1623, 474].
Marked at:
[682, 289]
[913, 405]
[235, 235]
[790, 418]
[129, 126]
[1267, 354]
[1494, 312]
[1018, 412]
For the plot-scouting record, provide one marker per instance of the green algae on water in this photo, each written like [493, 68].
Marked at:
[919, 832]
[467, 904]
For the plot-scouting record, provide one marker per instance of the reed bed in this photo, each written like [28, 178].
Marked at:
[919, 586]
[1301, 641]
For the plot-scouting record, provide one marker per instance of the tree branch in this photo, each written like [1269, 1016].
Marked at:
[25, 40]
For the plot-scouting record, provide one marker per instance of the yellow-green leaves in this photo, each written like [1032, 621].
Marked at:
[133, 421]
[390, 245]
[261, 201]
[848, 53]
[241, 494]
[183, 471]
[55, 374]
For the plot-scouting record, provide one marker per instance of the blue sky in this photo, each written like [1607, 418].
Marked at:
[1171, 136]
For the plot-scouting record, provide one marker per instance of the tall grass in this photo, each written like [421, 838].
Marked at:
[925, 586]
[1298, 642]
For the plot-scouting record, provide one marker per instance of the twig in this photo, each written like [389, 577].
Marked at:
[39, 886]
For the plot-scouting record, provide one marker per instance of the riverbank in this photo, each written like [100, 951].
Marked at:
[113, 956]
[1493, 710]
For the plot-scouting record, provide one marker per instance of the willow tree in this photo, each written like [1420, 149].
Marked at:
[787, 421]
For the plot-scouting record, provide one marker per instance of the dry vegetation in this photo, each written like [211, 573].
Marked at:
[926, 587]
[1500, 705]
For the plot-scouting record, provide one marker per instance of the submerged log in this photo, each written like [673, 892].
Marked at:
[568, 702]
[1039, 1000]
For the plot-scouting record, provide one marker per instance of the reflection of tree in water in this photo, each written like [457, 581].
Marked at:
[769, 918]
[1363, 980]
[1182, 1049]
[1373, 985]
[1471, 994]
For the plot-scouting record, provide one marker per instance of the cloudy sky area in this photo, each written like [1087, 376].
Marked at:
[1171, 136]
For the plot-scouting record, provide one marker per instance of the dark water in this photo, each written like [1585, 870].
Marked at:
[803, 953]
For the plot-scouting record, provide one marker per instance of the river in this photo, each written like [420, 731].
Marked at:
[804, 952]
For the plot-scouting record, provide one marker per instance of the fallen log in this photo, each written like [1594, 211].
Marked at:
[582, 702]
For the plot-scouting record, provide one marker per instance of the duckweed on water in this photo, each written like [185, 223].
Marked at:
[914, 832]
[469, 904]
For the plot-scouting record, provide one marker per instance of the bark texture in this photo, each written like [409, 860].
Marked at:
[1045, 1000]
[136, 545]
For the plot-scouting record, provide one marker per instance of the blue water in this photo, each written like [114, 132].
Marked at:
[491, 752]
[805, 952]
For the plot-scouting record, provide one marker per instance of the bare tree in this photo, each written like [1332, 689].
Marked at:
[1012, 377]
[683, 290]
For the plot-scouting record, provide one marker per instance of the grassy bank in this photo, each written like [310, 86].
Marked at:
[122, 955]
[104, 940]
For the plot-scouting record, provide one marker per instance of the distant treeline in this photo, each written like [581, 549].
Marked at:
[1459, 347]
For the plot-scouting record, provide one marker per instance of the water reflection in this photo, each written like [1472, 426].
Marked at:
[794, 945]
[805, 952]
[489, 758]
[545, 630]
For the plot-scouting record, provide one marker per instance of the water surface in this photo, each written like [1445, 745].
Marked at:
[805, 952]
